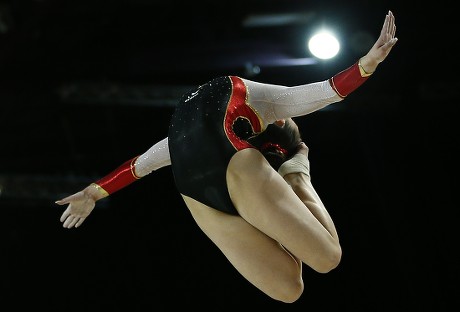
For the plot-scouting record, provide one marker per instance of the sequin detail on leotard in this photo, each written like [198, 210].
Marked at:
[210, 124]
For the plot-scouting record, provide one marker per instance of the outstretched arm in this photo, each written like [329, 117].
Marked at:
[275, 102]
[82, 203]
[351, 78]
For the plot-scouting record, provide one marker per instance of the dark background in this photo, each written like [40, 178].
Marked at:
[86, 85]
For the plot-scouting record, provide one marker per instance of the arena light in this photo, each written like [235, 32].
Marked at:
[323, 44]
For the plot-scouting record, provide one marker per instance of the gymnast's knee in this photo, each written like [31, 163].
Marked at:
[329, 262]
[289, 292]
[248, 163]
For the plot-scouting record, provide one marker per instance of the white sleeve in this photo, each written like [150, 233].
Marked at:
[154, 158]
[275, 102]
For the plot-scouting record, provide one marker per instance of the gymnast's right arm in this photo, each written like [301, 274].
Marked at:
[275, 102]
[82, 203]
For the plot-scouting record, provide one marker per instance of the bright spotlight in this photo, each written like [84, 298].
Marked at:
[324, 45]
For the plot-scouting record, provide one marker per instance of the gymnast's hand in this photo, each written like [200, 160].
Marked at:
[80, 205]
[382, 46]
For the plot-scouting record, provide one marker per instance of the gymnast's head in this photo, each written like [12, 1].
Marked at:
[278, 142]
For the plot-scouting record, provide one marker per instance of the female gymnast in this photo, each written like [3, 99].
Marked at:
[242, 170]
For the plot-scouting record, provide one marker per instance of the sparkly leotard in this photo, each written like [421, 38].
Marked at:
[210, 124]
[217, 119]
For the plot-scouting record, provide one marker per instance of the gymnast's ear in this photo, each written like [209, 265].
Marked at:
[280, 123]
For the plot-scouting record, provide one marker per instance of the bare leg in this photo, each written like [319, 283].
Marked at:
[299, 222]
[275, 230]
[256, 256]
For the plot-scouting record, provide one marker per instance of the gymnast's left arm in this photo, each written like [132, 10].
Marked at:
[82, 203]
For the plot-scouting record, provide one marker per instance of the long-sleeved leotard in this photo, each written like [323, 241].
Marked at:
[215, 120]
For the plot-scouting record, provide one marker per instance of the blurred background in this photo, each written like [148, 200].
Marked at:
[87, 85]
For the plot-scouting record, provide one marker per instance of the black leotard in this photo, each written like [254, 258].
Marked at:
[210, 124]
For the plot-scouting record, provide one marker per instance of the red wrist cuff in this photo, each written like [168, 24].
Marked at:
[347, 80]
[119, 178]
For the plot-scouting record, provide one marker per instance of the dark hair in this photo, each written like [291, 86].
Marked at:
[278, 143]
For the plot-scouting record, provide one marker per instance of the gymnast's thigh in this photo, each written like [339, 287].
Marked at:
[264, 199]
[254, 254]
